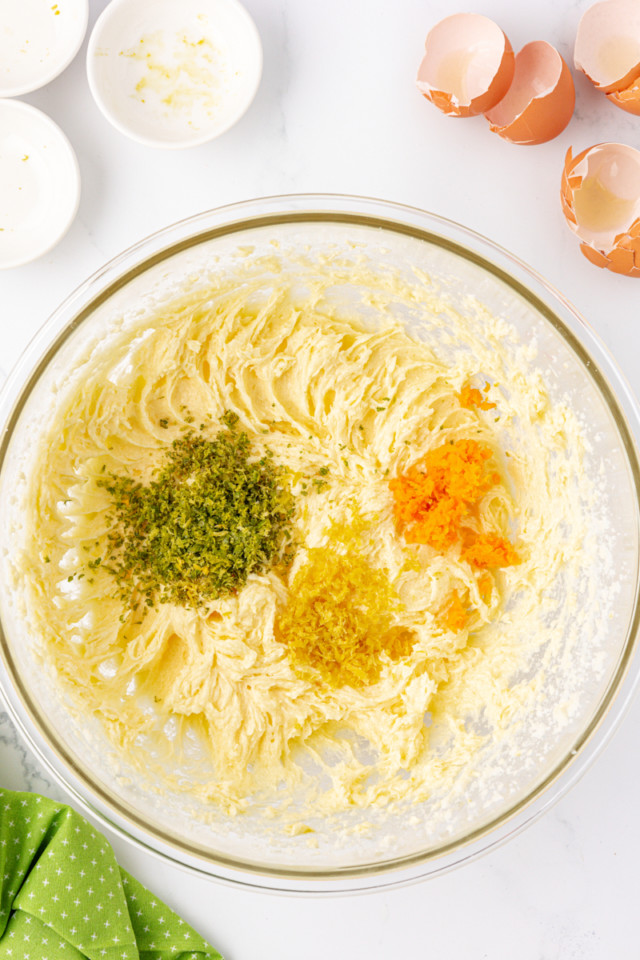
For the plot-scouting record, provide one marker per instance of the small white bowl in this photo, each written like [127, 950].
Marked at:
[38, 39]
[174, 73]
[39, 183]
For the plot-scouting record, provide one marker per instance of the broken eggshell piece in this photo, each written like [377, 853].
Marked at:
[627, 99]
[468, 65]
[539, 103]
[607, 50]
[601, 202]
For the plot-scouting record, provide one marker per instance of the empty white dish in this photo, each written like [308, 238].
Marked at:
[174, 74]
[38, 39]
[39, 183]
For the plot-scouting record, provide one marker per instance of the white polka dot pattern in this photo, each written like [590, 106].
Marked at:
[64, 897]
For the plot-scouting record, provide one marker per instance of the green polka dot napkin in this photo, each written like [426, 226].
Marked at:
[64, 897]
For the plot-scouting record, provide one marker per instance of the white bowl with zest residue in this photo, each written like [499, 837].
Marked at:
[38, 40]
[174, 75]
[39, 183]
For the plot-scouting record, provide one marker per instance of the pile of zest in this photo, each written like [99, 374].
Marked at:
[217, 510]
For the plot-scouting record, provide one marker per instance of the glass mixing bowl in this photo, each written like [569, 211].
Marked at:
[574, 364]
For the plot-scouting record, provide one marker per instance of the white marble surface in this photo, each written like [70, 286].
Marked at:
[337, 111]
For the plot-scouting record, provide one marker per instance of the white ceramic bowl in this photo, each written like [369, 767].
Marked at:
[174, 74]
[39, 183]
[38, 39]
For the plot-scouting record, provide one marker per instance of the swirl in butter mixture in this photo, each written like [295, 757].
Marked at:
[218, 686]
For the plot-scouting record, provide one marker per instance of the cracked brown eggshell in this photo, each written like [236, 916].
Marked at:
[540, 101]
[607, 50]
[468, 65]
[600, 195]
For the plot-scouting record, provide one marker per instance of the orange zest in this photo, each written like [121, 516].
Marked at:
[489, 550]
[432, 500]
[455, 615]
[472, 397]
[485, 586]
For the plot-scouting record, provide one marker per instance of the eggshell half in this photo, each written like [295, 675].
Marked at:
[468, 65]
[608, 44]
[539, 103]
[600, 196]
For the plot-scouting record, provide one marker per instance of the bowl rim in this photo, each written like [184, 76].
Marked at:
[624, 408]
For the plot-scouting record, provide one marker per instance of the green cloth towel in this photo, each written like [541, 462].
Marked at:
[64, 897]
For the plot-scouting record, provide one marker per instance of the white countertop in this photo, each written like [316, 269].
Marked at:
[337, 111]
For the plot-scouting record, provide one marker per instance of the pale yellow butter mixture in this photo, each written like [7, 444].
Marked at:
[320, 385]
